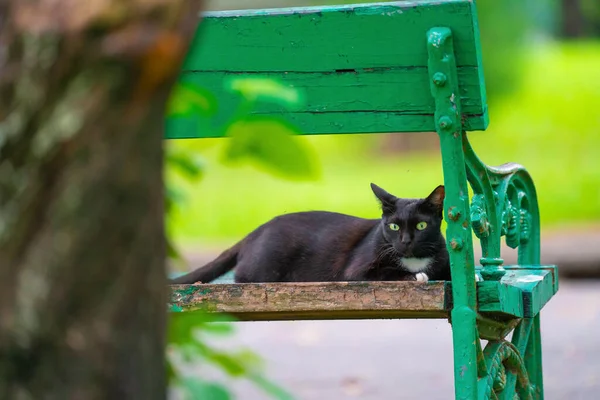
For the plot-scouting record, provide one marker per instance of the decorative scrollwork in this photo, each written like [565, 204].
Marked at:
[500, 380]
[479, 217]
[513, 226]
[524, 218]
[504, 204]
[525, 226]
[517, 218]
[505, 216]
[502, 358]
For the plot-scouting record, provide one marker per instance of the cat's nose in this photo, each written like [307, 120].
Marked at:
[405, 239]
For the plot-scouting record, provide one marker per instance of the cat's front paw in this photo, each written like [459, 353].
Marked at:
[421, 277]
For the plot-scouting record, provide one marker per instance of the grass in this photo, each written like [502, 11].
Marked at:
[552, 126]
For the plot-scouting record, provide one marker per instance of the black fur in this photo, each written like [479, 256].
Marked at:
[319, 246]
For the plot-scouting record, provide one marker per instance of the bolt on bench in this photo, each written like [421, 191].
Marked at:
[380, 68]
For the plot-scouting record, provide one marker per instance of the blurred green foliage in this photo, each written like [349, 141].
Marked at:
[591, 10]
[502, 45]
[191, 349]
[552, 127]
[265, 142]
[269, 143]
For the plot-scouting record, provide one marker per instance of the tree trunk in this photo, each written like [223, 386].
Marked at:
[82, 255]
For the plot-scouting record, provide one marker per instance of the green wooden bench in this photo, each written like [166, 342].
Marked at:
[380, 68]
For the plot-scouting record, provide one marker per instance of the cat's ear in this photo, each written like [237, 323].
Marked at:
[436, 199]
[388, 201]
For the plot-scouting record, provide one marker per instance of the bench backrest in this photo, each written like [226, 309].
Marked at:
[361, 68]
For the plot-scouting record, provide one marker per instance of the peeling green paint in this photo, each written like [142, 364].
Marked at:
[189, 290]
[175, 308]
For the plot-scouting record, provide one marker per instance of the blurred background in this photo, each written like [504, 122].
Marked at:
[543, 85]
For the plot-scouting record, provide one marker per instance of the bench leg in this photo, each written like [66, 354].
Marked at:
[465, 337]
[533, 359]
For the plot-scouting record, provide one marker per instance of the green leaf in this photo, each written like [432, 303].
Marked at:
[190, 164]
[197, 389]
[267, 89]
[171, 372]
[173, 198]
[249, 358]
[188, 99]
[185, 327]
[272, 144]
[274, 390]
[218, 328]
[229, 363]
[182, 327]
[212, 317]
[185, 340]
[172, 251]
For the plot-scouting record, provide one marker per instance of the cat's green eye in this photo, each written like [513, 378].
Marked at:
[421, 225]
[394, 227]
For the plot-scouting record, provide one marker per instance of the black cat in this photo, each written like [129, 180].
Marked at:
[317, 246]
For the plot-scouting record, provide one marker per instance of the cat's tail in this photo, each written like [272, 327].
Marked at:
[214, 269]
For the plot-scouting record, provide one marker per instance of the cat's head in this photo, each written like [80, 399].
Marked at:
[412, 226]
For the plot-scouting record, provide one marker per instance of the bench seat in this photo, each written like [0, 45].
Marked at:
[521, 292]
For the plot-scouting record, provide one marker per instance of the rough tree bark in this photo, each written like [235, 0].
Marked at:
[82, 270]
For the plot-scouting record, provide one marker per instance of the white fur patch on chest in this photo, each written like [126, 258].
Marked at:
[415, 265]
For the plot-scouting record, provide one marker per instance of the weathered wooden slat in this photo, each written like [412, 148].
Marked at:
[381, 90]
[342, 102]
[331, 38]
[522, 292]
[327, 300]
[331, 123]
[360, 68]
